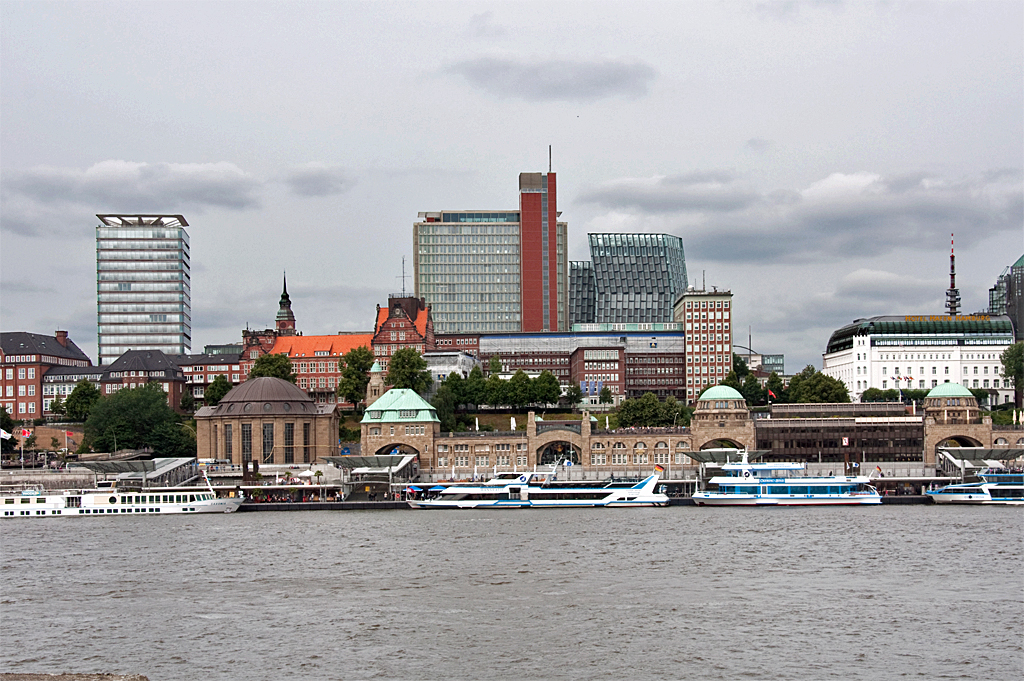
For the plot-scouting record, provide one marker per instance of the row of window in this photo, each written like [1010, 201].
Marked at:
[23, 373]
[23, 390]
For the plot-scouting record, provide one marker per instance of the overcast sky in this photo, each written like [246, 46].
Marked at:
[813, 156]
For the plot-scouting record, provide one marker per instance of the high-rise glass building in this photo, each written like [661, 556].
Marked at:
[143, 285]
[495, 271]
[631, 278]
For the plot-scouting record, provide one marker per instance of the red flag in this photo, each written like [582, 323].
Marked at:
[771, 394]
[26, 433]
[69, 433]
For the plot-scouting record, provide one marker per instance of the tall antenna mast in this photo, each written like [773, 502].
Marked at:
[953, 293]
[403, 277]
[549, 158]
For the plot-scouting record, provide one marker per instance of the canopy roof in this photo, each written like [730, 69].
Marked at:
[981, 454]
[150, 468]
[376, 463]
[726, 455]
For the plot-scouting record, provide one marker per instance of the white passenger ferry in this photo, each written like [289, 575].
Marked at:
[776, 484]
[538, 490]
[997, 486]
[113, 501]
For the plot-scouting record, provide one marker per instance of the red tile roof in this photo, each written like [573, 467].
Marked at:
[308, 346]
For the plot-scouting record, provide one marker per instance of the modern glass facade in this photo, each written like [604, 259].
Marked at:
[495, 271]
[636, 278]
[581, 285]
[143, 285]
[467, 268]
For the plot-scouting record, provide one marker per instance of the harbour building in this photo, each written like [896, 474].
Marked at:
[496, 271]
[921, 352]
[143, 285]
[631, 278]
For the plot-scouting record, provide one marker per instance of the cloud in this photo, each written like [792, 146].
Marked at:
[556, 79]
[317, 179]
[40, 199]
[758, 144]
[723, 219]
[701, 192]
[482, 26]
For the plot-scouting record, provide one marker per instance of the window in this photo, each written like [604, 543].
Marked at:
[246, 442]
[305, 443]
[21, 373]
[227, 440]
[32, 372]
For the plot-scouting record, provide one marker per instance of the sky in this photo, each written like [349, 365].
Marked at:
[815, 157]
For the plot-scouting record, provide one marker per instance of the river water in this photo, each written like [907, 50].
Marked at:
[674, 593]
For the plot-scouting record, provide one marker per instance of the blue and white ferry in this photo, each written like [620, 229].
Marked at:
[997, 486]
[777, 484]
[538, 490]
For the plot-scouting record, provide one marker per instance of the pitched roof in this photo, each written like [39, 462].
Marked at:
[22, 342]
[308, 346]
[400, 405]
[143, 360]
[420, 323]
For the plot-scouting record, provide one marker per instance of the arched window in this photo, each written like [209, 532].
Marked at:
[597, 445]
[661, 445]
[618, 445]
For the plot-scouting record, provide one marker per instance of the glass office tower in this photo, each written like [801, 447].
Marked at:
[143, 285]
[495, 271]
[631, 278]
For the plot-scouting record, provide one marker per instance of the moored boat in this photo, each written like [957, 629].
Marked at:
[997, 486]
[777, 484]
[538, 490]
[113, 501]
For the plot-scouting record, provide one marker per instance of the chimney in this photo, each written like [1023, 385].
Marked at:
[62, 337]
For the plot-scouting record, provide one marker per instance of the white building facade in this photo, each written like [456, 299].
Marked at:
[708, 319]
[920, 352]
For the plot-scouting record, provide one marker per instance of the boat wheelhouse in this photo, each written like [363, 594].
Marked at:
[778, 484]
[540, 490]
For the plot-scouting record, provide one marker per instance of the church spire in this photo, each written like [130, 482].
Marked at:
[285, 322]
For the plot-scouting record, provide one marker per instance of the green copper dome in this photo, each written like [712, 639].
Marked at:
[721, 392]
[949, 390]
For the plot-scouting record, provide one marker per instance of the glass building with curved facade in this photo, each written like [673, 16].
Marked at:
[631, 278]
[143, 285]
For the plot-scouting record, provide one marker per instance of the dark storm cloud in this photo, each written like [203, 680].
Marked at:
[861, 214]
[317, 179]
[39, 200]
[556, 79]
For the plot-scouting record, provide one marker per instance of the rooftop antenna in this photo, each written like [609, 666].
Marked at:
[704, 280]
[403, 277]
[953, 293]
[549, 158]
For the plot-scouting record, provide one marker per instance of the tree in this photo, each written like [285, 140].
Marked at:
[444, 403]
[276, 366]
[574, 394]
[407, 369]
[494, 365]
[752, 391]
[457, 385]
[497, 391]
[476, 387]
[646, 412]
[810, 385]
[546, 388]
[216, 391]
[7, 423]
[1013, 368]
[739, 365]
[187, 403]
[774, 383]
[520, 390]
[81, 400]
[879, 395]
[732, 380]
[606, 395]
[137, 418]
[57, 406]
[54, 443]
[356, 374]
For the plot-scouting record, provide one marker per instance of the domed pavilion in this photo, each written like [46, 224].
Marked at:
[269, 420]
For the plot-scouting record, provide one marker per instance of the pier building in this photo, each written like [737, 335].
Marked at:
[831, 436]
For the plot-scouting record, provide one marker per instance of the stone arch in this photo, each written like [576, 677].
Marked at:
[558, 451]
[397, 448]
[957, 441]
[723, 443]
[1001, 442]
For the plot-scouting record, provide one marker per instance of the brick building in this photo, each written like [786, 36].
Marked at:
[708, 319]
[405, 323]
[25, 358]
[136, 368]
